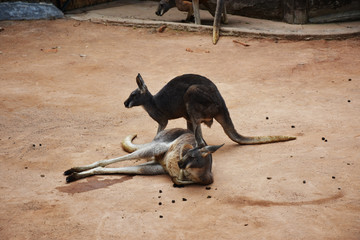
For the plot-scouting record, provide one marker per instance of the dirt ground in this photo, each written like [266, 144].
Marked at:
[63, 84]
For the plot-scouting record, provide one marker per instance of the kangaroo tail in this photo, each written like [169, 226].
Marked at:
[225, 121]
[128, 145]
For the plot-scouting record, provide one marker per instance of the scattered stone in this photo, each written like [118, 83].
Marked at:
[160, 191]
[42, 175]
[349, 79]
[208, 188]
[173, 201]
[82, 55]
[333, 177]
[184, 199]
[26, 167]
[269, 178]
[339, 188]
[349, 100]
[304, 181]
[161, 29]
[267, 118]
[161, 216]
[246, 224]
[160, 203]
[208, 196]
[323, 138]
[34, 145]
[292, 126]
[40, 145]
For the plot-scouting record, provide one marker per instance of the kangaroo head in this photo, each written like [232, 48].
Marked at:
[195, 163]
[164, 6]
[139, 96]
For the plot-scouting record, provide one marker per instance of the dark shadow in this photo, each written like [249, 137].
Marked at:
[92, 183]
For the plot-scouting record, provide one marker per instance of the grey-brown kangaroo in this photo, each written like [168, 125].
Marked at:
[174, 152]
[196, 99]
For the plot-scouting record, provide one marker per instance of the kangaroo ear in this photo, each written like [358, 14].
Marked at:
[141, 84]
[209, 149]
[184, 149]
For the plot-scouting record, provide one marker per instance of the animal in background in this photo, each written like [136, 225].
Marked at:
[193, 10]
[196, 99]
[174, 152]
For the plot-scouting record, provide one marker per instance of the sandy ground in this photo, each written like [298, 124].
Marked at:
[63, 84]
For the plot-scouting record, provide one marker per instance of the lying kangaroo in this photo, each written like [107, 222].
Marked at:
[192, 8]
[196, 99]
[174, 151]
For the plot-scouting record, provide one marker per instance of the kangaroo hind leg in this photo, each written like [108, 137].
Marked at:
[148, 151]
[149, 168]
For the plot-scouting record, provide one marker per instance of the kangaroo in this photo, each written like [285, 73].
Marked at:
[174, 152]
[196, 99]
[187, 6]
[192, 8]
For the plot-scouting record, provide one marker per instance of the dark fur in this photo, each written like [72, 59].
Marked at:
[196, 99]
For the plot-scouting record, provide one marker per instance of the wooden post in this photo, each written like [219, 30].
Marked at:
[196, 11]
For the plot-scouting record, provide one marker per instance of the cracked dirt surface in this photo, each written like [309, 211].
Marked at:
[63, 84]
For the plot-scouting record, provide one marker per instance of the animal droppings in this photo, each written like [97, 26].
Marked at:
[161, 216]
[333, 177]
[292, 126]
[267, 118]
[349, 79]
[209, 196]
[40, 144]
[184, 199]
[42, 175]
[173, 201]
[160, 203]
[208, 188]
[269, 178]
[34, 145]
[246, 224]
[304, 182]
[160, 191]
[323, 138]
[349, 100]
[339, 188]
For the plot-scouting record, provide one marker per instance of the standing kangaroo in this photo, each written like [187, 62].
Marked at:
[193, 10]
[174, 152]
[196, 99]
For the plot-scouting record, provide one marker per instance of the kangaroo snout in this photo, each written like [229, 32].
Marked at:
[128, 104]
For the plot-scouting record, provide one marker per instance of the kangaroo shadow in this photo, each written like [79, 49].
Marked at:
[241, 201]
[91, 184]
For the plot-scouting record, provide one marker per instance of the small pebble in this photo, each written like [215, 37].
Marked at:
[42, 175]
[323, 138]
[160, 191]
[304, 182]
[333, 177]
[159, 196]
[339, 188]
[349, 79]
[26, 167]
[209, 196]
[267, 118]
[34, 145]
[208, 188]
[349, 100]
[173, 201]
[292, 126]
[269, 178]
[184, 199]
[348, 163]
[161, 216]
[82, 55]
[246, 224]
[160, 203]
[40, 144]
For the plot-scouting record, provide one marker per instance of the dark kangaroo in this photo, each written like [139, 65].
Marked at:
[196, 99]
